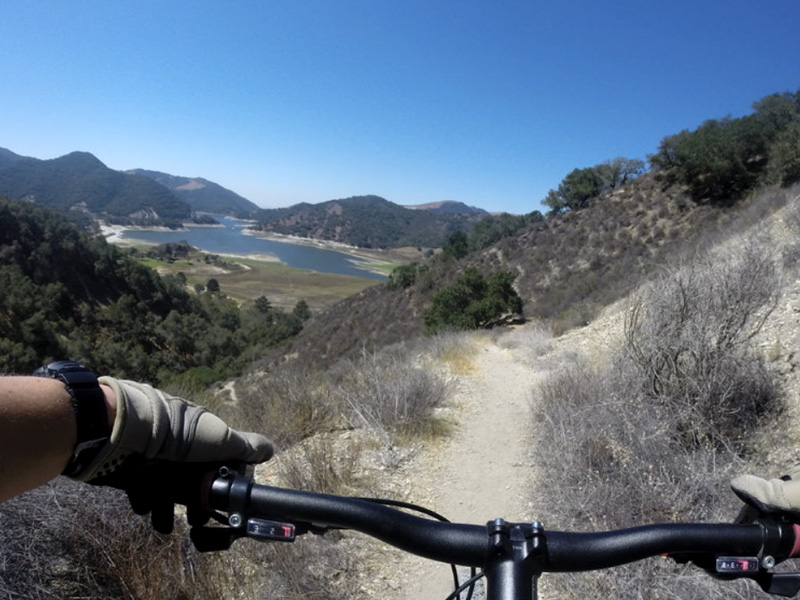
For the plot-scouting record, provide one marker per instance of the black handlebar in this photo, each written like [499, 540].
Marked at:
[511, 554]
[469, 545]
[588, 551]
[446, 542]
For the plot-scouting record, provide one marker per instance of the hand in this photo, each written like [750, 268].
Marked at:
[773, 496]
[153, 437]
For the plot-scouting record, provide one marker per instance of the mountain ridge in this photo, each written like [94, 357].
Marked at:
[81, 181]
[448, 206]
[367, 222]
[201, 194]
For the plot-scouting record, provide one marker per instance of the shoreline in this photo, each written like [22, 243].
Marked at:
[364, 260]
[360, 253]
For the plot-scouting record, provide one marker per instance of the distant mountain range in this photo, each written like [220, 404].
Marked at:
[449, 207]
[371, 222]
[201, 194]
[81, 182]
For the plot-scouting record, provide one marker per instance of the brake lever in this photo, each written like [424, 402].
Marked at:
[780, 584]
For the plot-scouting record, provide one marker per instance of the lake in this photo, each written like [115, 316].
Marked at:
[229, 239]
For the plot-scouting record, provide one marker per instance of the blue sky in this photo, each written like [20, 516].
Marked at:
[286, 101]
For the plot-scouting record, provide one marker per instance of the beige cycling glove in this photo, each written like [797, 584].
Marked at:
[153, 425]
[780, 496]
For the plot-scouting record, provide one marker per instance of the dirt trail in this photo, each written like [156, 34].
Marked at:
[482, 471]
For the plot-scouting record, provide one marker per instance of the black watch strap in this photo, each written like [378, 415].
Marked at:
[89, 406]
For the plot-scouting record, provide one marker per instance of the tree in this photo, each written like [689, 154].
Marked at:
[457, 245]
[493, 228]
[472, 301]
[213, 285]
[724, 159]
[581, 186]
[302, 310]
[784, 157]
[263, 305]
[667, 155]
[778, 111]
[620, 170]
[403, 276]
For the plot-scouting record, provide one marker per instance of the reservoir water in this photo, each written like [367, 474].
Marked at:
[229, 239]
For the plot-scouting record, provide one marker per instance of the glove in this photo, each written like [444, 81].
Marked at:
[153, 437]
[774, 496]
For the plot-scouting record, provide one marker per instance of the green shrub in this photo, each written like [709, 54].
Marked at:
[404, 276]
[473, 302]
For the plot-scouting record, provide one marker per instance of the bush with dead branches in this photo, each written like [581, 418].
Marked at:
[656, 434]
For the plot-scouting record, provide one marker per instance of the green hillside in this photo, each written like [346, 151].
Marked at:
[601, 239]
[366, 222]
[80, 180]
[65, 294]
[202, 195]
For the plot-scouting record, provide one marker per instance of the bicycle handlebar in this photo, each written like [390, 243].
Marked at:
[469, 545]
[726, 550]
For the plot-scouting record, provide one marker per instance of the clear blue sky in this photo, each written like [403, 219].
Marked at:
[487, 102]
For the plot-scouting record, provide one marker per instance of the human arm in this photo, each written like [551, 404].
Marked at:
[37, 431]
[38, 434]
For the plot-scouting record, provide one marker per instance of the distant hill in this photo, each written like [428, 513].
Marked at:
[8, 157]
[366, 222]
[80, 181]
[449, 207]
[202, 195]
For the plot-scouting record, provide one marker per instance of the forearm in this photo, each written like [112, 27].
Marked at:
[37, 431]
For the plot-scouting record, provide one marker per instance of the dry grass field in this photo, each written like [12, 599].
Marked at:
[248, 278]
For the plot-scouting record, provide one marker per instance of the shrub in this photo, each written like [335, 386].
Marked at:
[287, 405]
[321, 464]
[404, 276]
[473, 302]
[688, 335]
[69, 540]
[387, 393]
[656, 434]
[533, 339]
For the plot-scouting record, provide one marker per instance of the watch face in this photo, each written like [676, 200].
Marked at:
[55, 369]
[62, 366]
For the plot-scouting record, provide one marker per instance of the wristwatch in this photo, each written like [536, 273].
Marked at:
[89, 406]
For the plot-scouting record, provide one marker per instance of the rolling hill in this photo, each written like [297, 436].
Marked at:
[81, 181]
[367, 222]
[201, 194]
[448, 207]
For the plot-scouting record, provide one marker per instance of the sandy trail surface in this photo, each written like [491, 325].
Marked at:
[483, 470]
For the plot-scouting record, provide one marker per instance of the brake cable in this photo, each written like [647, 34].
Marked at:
[459, 587]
